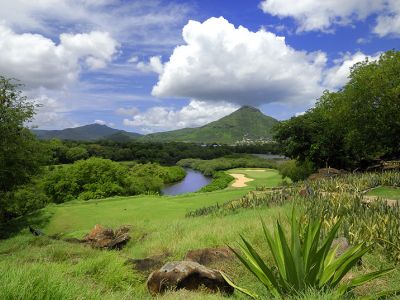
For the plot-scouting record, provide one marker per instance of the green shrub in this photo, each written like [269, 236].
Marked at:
[166, 174]
[208, 167]
[303, 262]
[24, 199]
[220, 181]
[97, 178]
[295, 170]
[76, 153]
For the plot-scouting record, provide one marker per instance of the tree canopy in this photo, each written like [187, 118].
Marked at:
[354, 126]
[20, 152]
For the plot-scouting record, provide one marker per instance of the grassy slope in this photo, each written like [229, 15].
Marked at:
[39, 268]
[56, 269]
[247, 121]
[386, 192]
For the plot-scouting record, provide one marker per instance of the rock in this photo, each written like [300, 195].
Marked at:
[106, 238]
[187, 275]
[343, 245]
[208, 256]
[148, 264]
[306, 191]
[35, 231]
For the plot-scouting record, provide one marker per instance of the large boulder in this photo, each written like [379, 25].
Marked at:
[209, 256]
[106, 238]
[187, 275]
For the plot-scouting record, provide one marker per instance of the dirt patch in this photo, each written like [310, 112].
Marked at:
[390, 202]
[240, 180]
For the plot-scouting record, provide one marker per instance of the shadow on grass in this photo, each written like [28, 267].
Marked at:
[37, 219]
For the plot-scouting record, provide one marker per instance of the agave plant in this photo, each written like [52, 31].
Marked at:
[303, 263]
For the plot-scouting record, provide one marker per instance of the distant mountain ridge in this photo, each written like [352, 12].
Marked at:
[245, 125]
[90, 132]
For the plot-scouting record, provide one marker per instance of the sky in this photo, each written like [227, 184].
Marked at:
[148, 66]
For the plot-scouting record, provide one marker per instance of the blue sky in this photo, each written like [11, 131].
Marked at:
[149, 66]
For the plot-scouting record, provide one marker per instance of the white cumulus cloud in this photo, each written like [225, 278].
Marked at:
[389, 22]
[154, 65]
[195, 114]
[102, 122]
[337, 76]
[39, 62]
[222, 63]
[313, 15]
[131, 111]
[321, 15]
[51, 113]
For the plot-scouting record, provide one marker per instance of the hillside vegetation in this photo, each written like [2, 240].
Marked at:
[54, 268]
[208, 167]
[245, 123]
[90, 132]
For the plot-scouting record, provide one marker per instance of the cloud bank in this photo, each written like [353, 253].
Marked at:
[196, 113]
[222, 63]
[219, 62]
[39, 62]
[322, 15]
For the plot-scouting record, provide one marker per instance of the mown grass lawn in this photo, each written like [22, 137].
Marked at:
[386, 192]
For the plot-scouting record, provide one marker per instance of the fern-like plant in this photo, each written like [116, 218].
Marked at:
[303, 262]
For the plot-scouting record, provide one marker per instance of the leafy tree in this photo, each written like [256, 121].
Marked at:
[20, 153]
[97, 178]
[354, 126]
[76, 153]
[296, 170]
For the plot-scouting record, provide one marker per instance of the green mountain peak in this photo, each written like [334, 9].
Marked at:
[246, 124]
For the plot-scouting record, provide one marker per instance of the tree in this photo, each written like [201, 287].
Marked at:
[21, 154]
[354, 126]
[76, 153]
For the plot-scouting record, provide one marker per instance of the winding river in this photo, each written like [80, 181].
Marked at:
[193, 181]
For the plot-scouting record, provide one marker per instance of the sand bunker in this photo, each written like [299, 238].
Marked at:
[240, 180]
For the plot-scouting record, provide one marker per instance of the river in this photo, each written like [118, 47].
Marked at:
[193, 181]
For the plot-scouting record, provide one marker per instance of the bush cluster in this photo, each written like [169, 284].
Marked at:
[97, 178]
[296, 170]
[209, 167]
[220, 181]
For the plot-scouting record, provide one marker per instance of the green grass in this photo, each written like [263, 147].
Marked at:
[386, 192]
[43, 268]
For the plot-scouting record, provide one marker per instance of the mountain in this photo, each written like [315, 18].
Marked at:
[90, 132]
[247, 124]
